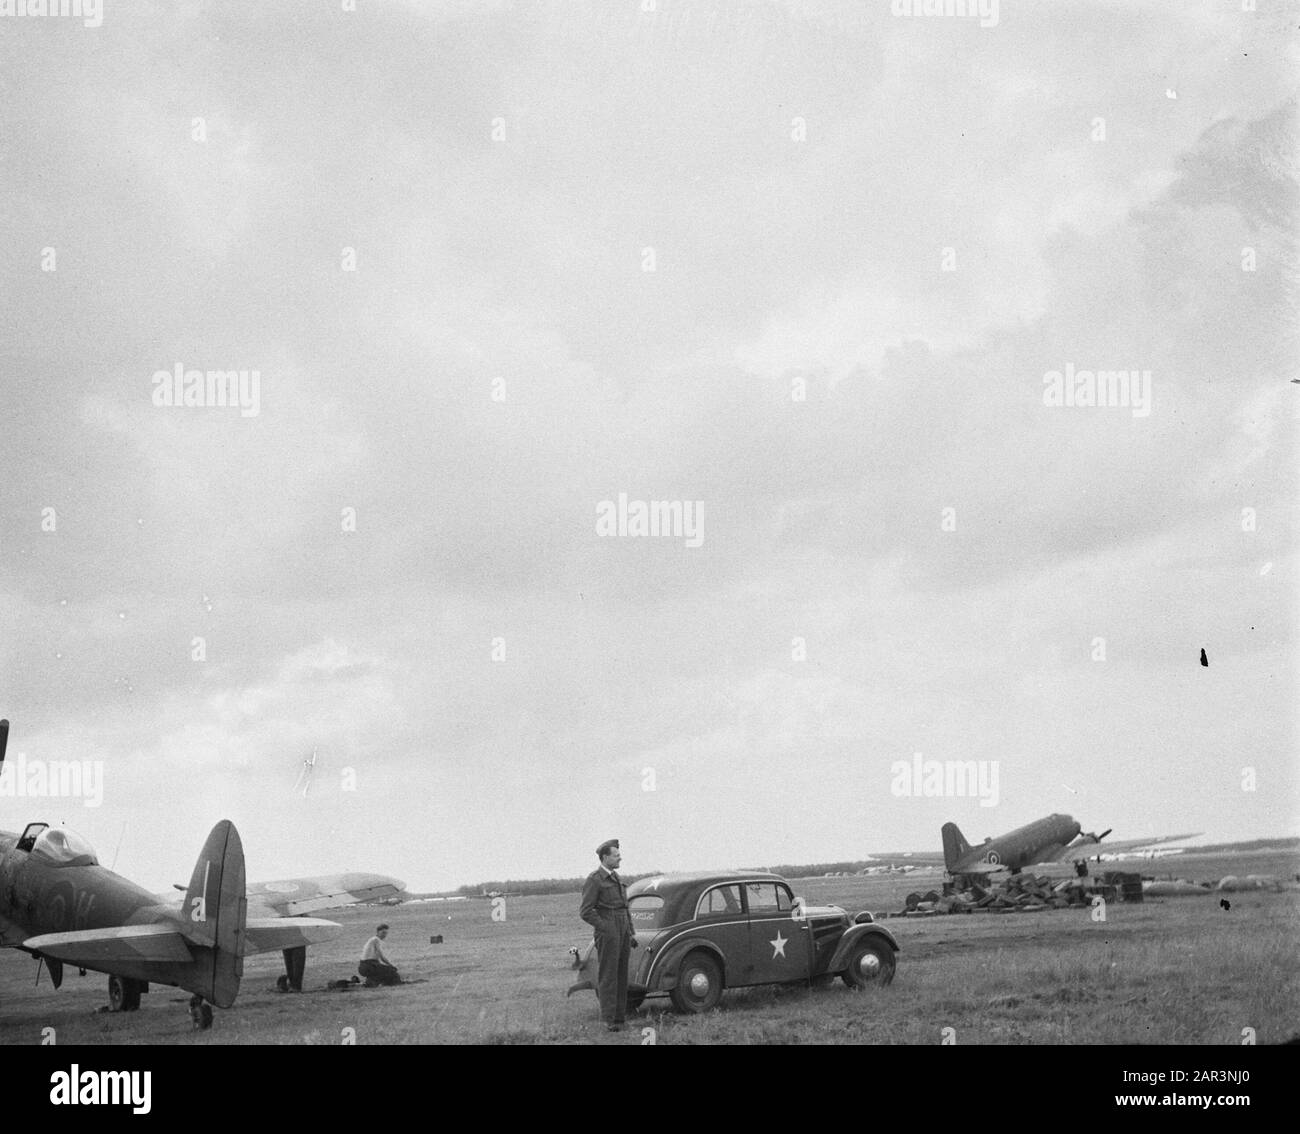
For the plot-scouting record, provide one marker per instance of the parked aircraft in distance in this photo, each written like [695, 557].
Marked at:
[1056, 838]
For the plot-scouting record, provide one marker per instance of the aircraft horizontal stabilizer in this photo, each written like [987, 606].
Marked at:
[93, 948]
[264, 934]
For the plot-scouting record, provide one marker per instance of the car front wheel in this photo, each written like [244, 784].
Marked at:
[699, 984]
[870, 962]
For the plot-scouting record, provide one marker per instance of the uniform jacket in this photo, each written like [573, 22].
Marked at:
[603, 900]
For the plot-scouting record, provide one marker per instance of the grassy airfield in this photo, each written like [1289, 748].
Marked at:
[1169, 971]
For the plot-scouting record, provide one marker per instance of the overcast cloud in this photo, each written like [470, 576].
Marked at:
[805, 263]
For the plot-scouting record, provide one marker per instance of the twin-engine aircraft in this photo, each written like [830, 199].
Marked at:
[58, 904]
[1057, 838]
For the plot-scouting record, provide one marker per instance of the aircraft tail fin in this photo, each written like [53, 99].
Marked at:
[954, 846]
[215, 915]
[4, 742]
[201, 950]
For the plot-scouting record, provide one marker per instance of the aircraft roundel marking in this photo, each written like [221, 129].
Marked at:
[992, 858]
[280, 887]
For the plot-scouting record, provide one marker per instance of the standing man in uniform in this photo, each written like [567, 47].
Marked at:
[604, 908]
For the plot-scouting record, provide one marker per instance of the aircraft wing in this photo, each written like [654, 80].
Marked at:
[1086, 846]
[1109, 847]
[263, 934]
[294, 897]
[906, 858]
[94, 947]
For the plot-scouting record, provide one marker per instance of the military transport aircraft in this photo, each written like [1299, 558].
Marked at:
[58, 904]
[1054, 839]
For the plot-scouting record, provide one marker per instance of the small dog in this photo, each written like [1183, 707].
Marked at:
[587, 966]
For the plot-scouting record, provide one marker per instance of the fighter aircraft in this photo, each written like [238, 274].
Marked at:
[1054, 839]
[58, 904]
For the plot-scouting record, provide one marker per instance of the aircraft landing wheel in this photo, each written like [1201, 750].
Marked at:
[123, 994]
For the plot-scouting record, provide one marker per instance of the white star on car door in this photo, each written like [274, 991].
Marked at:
[778, 945]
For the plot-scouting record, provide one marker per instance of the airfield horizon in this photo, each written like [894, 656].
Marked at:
[1181, 970]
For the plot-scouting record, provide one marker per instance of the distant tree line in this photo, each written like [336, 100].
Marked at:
[512, 887]
[812, 870]
[788, 870]
[1288, 842]
[516, 888]
[529, 887]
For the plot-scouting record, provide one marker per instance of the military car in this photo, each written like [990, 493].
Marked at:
[699, 934]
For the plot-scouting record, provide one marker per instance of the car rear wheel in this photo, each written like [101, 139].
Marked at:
[699, 984]
[870, 963]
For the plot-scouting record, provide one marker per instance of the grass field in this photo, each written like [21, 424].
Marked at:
[1173, 971]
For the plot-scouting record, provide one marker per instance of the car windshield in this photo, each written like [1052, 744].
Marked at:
[647, 911]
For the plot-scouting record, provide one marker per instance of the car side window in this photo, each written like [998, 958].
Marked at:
[763, 898]
[719, 900]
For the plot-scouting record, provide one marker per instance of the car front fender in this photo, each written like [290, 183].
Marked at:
[663, 969]
[850, 939]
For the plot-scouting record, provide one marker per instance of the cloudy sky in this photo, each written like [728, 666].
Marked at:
[803, 265]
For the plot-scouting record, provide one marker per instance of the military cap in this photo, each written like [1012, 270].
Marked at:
[605, 847]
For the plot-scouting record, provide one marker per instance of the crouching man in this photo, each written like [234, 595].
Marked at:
[375, 967]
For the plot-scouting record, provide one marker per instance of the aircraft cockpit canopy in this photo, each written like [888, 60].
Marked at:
[57, 846]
